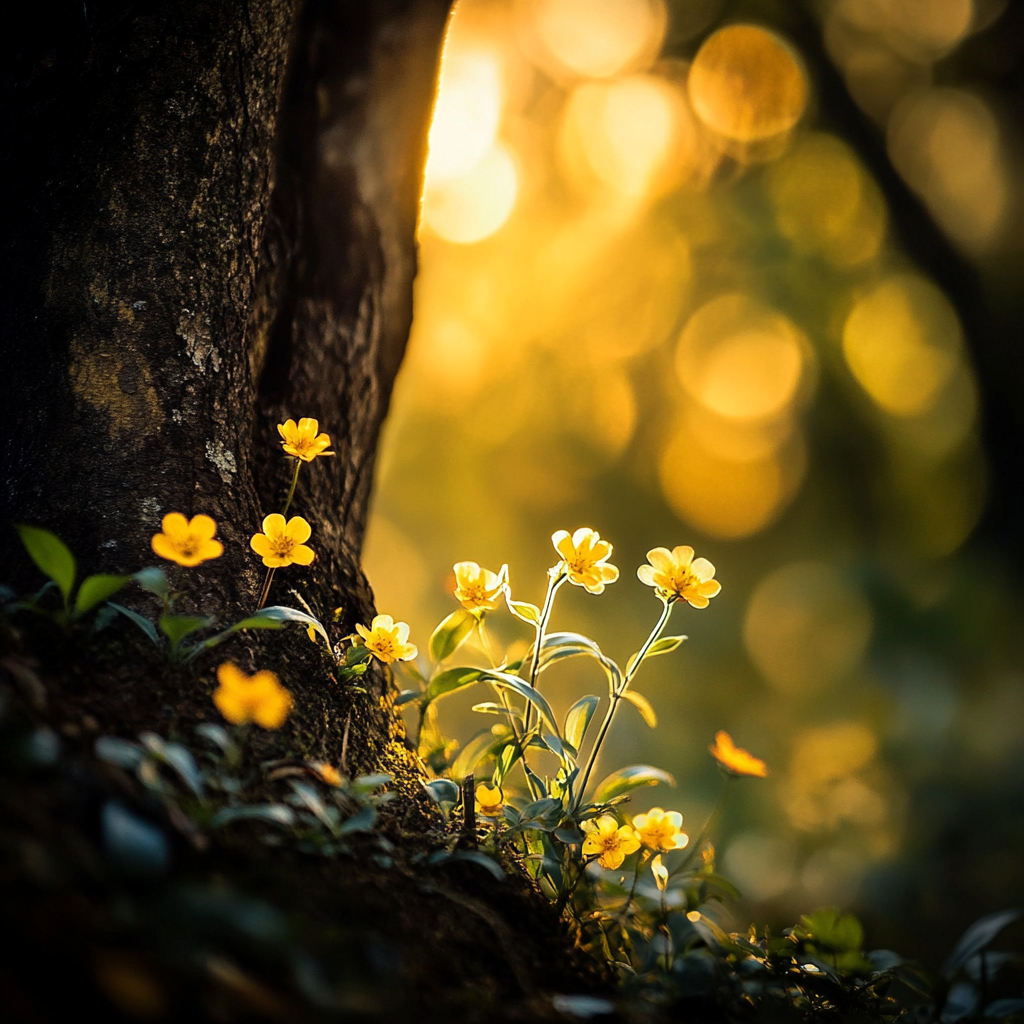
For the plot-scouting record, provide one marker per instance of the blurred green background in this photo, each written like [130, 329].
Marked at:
[745, 276]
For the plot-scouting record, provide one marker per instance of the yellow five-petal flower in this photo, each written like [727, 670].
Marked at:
[387, 640]
[609, 841]
[187, 541]
[661, 830]
[735, 760]
[302, 440]
[585, 558]
[478, 589]
[489, 801]
[283, 543]
[676, 574]
[258, 698]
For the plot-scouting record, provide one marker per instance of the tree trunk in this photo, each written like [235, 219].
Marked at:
[212, 223]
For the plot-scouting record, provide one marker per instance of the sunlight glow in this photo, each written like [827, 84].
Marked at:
[595, 38]
[625, 132]
[945, 143]
[740, 359]
[806, 627]
[471, 208]
[902, 342]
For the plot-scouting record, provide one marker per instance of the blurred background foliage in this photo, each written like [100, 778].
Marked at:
[745, 275]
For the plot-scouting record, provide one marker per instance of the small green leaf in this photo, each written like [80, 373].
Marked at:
[663, 645]
[154, 580]
[643, 705]
[524, 689]
[625, 780]
[278, 814]
[557, 646]
[506, 762]
[362, 821]
[282, 613]
[51, 556]
[96, 589]
[977, 937]
[257, 622]
[476, 857]
[444, 793]
[449, 681]
[177, 627]
[525, 611]
[833, 931]
[451, 634]
[141, 621]
[577, 720]
[405, 696]
[482, 746]
[119, 752]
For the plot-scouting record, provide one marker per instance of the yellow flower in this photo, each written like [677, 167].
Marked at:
[328, 773]
[387, 640]
[478, 589]
[302, 439]
[259, 698]
[585, 558]
[187, 542]
[660, 873]
[735, 760]
[677, 574]
[611, 843]
[489, 801]
[282, 543]
[661, 830]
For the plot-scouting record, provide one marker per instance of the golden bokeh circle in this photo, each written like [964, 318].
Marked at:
[747, 84]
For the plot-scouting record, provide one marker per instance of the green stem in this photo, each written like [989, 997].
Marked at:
[640, 862]
[265, 593]
[554, 582]
[616, 695]
[291, 490]
[486, 643]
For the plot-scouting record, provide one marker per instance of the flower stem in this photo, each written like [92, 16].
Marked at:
[502, 696]
[640, 862]
[616, 695]
[554, 582]
[291, 490]
[265, 593]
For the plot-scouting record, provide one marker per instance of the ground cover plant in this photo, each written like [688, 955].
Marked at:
[521, 805]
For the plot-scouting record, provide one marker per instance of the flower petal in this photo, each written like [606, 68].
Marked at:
[661, 559]
[682, 556]
[563, 543]
[298, 529]
[308, 426]
[646, 574]
[202, 527]
[702, 569]
[710, 588]
[260, 543]
[175, 525]
[383, 622]
[302, 555]
[274, 524]
[584, 534]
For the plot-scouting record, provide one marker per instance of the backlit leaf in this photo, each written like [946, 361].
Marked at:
[96, 589]
[451, 634]
[643, 705]
[578, 719]
[625, 780]
[51, 556]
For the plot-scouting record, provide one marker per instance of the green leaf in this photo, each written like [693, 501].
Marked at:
[577, 720]
[663, 645]
[154, 580]
[362, 821]
[643, 705]
[625, 780]
[444, 793]
[451, 634]
[255, 622]
[278, 814]
[119, 752]
[141, 621]
[449, 681]
[177, 627]
[405, 696]
[476, 857]
[977, 937]
[96, 589]
[525, 690]
[282, 613]
[482, 746]
[524, 610]
[557, 646]
[506, 762]
[51, 556]
[832, 930]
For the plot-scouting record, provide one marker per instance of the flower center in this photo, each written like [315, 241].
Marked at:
[188, 545]
[384, 644]
[683, 580]
[282, 546]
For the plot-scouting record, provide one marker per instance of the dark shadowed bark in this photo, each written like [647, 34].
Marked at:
[211, 227]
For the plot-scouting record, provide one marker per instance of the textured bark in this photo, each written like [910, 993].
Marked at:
[212, 228]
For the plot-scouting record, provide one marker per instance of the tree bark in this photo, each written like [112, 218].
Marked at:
[212, 229]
